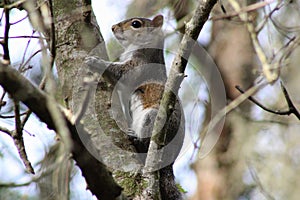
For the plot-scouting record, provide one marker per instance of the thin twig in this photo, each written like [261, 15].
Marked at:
[25, 51]
[230, 107]
[5, 130]
[2, 15]
[286, 51]
[24, 36]
[17, 136]
[292, 108]
[248, 8]
[2, 103]
[4, 43]
[262, 106]
[18, 21]
[25, 119]
[290, 47]
[28, 60]
[268, 16]
[18, 128]
[11, 116]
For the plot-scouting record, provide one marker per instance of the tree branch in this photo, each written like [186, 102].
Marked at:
[93, 170]
[4, 42]
[167, 105]
[270, 72]
[248, 8]
[5, 130]
[227, 109]
[292, 108]
[17, 136]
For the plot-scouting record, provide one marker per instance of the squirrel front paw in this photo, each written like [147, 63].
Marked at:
[95, 64]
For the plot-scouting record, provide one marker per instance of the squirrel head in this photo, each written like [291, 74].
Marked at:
[139, 32]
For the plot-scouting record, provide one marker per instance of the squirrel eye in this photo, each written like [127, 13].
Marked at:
[136, 24]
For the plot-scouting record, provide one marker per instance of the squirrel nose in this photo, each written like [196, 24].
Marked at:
[113, 28]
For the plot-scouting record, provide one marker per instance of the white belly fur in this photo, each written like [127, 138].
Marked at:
[139, 115]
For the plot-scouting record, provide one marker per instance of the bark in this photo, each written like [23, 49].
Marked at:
[73, 46]
[78, 36]
[22, 90]
[168, 101]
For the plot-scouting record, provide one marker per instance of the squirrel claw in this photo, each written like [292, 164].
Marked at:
[95, 63]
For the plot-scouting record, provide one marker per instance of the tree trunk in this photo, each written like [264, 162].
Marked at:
[78, 36]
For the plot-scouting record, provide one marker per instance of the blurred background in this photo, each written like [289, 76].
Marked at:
[258, 153]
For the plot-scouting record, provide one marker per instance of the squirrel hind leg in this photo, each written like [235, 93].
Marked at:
[141, 144]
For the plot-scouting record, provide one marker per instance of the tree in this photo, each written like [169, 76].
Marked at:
[69, 54]
[68, 32]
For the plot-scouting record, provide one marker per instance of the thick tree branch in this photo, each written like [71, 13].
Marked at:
[93, 170]
[76, 25]
[193, 28]
[21, 90]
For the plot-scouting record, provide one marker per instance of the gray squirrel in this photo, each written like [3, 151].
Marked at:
[139, 79]
[140, 75]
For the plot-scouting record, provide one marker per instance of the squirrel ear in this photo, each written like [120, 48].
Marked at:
[158, 21]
